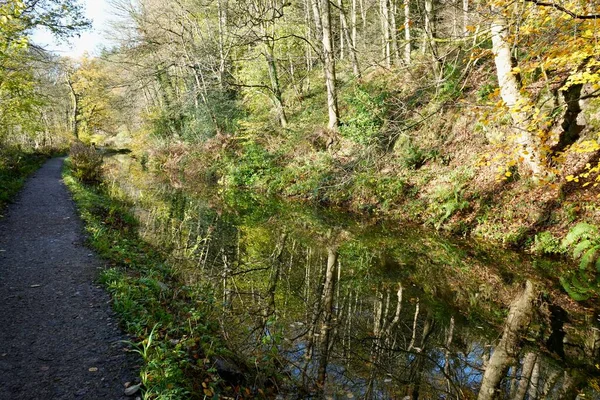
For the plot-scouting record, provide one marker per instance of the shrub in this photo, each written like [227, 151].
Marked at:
[366, 116]
[86, 162]
[446, 201]
[546, 243]
[251, 166]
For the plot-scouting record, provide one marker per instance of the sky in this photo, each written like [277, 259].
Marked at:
[98, 11]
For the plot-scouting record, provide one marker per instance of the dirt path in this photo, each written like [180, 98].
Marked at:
[58, 336]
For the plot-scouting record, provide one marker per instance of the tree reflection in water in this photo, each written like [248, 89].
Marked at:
[339, 308]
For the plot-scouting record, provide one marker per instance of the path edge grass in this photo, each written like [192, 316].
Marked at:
[15, 168]
[170, 322]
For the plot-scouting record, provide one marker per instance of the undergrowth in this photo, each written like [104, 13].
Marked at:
[15, 167]
[404, 151]
[170, 321]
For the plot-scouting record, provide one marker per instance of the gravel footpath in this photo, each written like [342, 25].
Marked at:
[58, 336]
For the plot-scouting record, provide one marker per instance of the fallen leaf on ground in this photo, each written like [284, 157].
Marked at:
[131, 390]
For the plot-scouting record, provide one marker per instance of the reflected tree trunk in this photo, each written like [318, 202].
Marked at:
[534, 382]
[525, 379]
[449, 337]
[414, 327]
[276, 262]
[327, 312]
[392, 325]
[549, 383]
[508, 348]
[418, 366]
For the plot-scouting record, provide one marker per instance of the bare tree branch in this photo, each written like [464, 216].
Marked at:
[564, 10]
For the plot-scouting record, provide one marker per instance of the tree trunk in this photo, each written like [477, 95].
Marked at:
[329, 66]
[74, 108]
[527, 148]
[309, 56]
[363, 14]
[465, 9]
[394, 31]
[351, 45]
[427, 25]
[341, 31]
[385, 32]
[275, 85]
[316, 8]
[353, 21]
[407, 45]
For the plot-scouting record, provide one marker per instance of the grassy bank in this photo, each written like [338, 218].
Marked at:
[435, 156]
[15, 167]
[171, 322]
[402, 151]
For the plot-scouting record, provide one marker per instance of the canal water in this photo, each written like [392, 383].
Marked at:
[349, 307]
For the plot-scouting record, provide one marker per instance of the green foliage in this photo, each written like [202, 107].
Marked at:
[583, 240]
[546, 243]
[413, 157]
[446, 202]
[15, 167]
[451, 86]
[485, 90]
[250, 166]
[25, 103]
[382, 190]
[366, 115]
[577, 288]
[86, 162]
[97, 102]
[197, 121]
[313, 178]
[172, 325]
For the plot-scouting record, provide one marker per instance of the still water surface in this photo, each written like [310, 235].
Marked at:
[353, 308]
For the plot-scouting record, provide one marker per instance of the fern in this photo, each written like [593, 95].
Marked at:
[581, 247]
[575, 291]
[584, 240]
[589, 257]
[580, 231]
